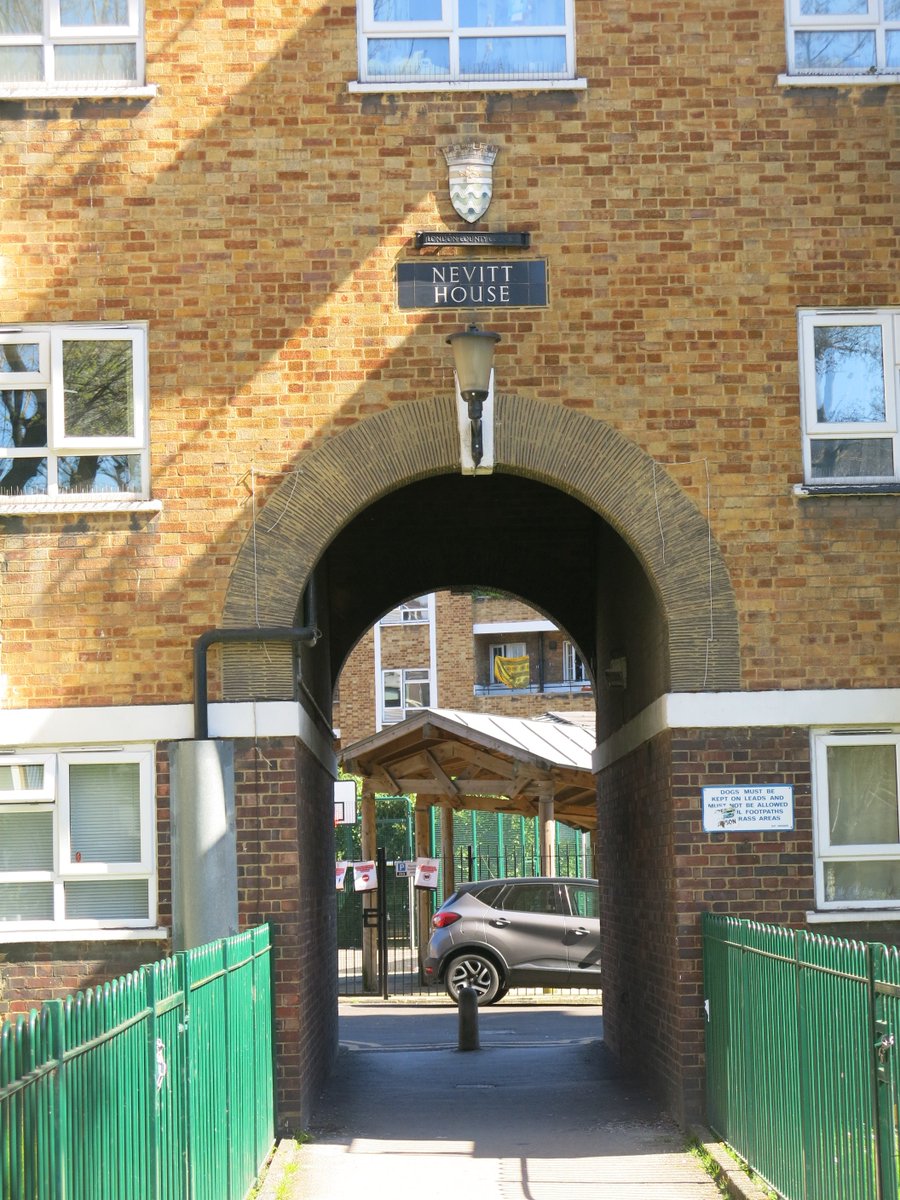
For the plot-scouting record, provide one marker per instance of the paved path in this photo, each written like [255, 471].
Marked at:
[538, 1113]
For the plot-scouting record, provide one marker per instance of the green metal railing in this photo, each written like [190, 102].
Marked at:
[156, 1086]
[801, 1057]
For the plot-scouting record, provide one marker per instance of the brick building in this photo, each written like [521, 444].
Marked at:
[229, 442]
[439, 651]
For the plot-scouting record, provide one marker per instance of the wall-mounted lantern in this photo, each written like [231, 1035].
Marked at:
[473, 356]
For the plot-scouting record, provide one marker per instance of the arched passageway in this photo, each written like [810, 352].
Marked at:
[584, 526]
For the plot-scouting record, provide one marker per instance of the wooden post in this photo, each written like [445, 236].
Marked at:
[448, 860]
[422, 819]
[545, 823]
[369, 843]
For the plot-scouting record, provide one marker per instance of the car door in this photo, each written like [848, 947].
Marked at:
[583, 933]
[528, 926]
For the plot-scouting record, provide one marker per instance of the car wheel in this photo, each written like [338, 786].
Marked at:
[476, 971]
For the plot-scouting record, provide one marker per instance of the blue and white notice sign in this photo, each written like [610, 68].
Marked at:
[740, 808]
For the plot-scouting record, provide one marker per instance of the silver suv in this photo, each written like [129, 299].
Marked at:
[503, 933]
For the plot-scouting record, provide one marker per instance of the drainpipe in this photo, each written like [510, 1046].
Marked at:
[305, 634]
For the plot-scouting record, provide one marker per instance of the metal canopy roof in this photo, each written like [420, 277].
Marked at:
[475, 760]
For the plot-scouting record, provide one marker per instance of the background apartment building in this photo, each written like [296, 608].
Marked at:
[233, 244]
[440, 651]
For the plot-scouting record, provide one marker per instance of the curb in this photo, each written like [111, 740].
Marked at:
[728, 1171]
[279, 1167]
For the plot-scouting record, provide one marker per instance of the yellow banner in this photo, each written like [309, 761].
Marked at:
[514, 672]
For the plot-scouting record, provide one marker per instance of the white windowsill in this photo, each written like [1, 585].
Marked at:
[806, 491]
[472, 85]
[824, 917]
[12, 936]
[862, 79]
[90, 504]
[76, 91]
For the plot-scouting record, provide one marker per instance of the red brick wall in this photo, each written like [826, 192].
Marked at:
[659, 871]
[285, 834]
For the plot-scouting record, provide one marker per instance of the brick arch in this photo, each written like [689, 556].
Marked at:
[579, 454]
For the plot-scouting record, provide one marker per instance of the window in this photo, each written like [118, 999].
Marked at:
[73, 412]
[413, 612]
[849, 376]
[857, 819]
[574, 670]
[71, 44]
[77, 841]
[409, 688]
[407, 41]
[843, 36]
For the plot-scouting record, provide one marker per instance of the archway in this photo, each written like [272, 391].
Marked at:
[636, 575]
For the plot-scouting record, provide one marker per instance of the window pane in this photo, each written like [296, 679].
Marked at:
[833, 8]
[849, 373]
[850, 881]
[23, 419]
[862, 458]
[407, 10]
[21, 778]
[831, 50]
[585, 901]
[518, 56]
[892, 48]
[93, 12]
[23, 477]
[418, 695]
[26, 901]
[862, 795]
[21, 64]
[99, 473]
[97, 64]
[107, 899]
[16, 357]
[892, 10]
[532, 898]
[476, 14]
[105, 812]
[420, 58]
[20, 16]
[391, 689]
[26, 841]
[99, 387]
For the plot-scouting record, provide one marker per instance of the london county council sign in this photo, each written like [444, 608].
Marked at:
[453, 283]
[769, 806]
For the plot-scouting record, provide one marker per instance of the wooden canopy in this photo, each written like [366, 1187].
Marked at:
[476, 761]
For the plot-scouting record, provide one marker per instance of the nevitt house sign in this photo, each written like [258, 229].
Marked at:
[453, 283]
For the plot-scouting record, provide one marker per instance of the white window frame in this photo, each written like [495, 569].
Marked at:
[393, 714]
[26, 799]
[814, 430]
[872, 21]
[448, 27]
[49, 377]
[825, 853]
[414, 612]
[506, 650]
[54, 34]
[65, 870]
[571, 661]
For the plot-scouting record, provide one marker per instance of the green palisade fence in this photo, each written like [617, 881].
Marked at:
[156, 1086]
[802, 1042]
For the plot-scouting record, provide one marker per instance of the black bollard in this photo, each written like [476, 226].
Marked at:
[468, 1019]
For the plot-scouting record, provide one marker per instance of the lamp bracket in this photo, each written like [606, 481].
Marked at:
[464, 416]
